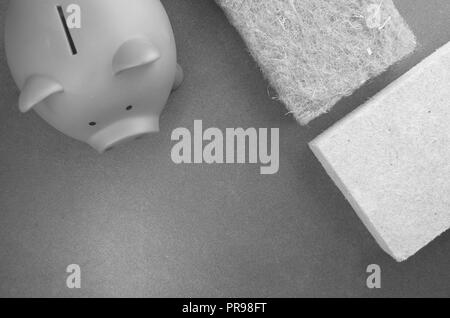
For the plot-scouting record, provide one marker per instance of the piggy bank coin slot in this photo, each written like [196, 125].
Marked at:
[73, 48]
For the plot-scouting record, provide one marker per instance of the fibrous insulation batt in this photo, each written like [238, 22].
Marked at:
[315, 52]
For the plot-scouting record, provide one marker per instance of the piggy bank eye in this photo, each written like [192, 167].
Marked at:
[129, 108]
[92, 124]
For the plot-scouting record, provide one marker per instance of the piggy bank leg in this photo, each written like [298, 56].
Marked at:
[178, 78]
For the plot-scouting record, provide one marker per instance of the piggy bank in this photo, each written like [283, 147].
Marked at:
[99, 71]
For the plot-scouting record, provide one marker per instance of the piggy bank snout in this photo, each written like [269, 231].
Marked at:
[123, 131]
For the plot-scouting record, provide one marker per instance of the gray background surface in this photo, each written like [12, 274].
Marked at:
[140, 225]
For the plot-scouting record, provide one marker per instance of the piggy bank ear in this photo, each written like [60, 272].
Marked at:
[135, 53]
[35, 90]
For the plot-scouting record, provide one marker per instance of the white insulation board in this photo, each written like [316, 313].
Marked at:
[391, 158]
